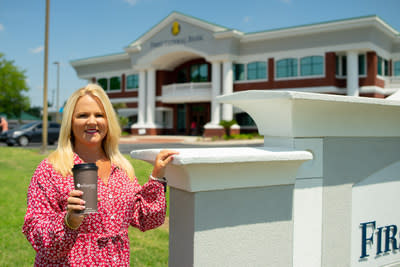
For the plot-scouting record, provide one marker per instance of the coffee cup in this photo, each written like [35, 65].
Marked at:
[85, 180]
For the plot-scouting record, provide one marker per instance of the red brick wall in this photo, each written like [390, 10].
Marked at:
[328, 80]
[163, 77]
[132, 105]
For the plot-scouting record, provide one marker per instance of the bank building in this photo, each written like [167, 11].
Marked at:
[169, 78]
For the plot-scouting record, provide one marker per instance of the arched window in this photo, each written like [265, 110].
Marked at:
[115, 83]
[312, 65]
[257, 70]
[103, 82]
[286, 68]
[199, 73]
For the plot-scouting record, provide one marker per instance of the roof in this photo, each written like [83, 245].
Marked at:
[221, 32]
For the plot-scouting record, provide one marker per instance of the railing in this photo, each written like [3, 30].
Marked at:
[392, 81]
[186, 92]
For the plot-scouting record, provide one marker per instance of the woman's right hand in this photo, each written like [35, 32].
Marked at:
[75, 204]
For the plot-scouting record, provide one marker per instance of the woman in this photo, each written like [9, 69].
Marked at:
[89, 134]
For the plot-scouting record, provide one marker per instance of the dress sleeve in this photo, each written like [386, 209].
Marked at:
[44, 225]
[149, 206]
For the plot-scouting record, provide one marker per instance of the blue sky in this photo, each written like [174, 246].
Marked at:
[87, 28]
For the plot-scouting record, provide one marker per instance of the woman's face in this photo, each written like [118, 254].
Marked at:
[89, 122]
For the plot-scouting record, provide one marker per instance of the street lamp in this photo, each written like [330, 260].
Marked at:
[58, 92]
[46, 55]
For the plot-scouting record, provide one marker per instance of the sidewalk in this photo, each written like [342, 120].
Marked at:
[197, 140]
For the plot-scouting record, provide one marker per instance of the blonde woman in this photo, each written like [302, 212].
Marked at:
[89, 134]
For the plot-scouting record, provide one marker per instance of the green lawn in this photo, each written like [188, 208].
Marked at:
[17, 166]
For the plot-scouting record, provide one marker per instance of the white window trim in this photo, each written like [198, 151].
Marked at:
[341, 76]
[299, 77]
[109, 84]
[266, 71]
[365, 66]
[394, 60]
[126, 82]
[286, 78]
[315, 75]
[245, 80]
[108, 77]
[382, 77]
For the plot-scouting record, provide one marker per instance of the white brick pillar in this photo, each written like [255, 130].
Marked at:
[216, 91]
[151, 97]
[227, 109]
[352, 73]
[142, 98]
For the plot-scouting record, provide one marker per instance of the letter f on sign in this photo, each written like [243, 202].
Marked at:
[364, 238]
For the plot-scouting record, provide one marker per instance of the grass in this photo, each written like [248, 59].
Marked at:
[17, 166]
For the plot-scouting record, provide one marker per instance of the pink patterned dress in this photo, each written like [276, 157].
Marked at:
[102, 239]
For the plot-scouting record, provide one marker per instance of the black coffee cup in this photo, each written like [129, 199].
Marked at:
[85, 180]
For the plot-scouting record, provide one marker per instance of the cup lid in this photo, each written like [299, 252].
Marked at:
[85, 166]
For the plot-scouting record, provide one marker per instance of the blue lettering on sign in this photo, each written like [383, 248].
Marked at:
[367, 237]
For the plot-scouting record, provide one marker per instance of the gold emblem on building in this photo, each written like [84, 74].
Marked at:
[176, 28]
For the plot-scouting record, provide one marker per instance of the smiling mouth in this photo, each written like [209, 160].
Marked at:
[91, 131]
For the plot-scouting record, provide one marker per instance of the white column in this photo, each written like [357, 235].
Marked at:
[151, 96]
[227, 109]
[216, 91]
[352, 73]
[142, 98]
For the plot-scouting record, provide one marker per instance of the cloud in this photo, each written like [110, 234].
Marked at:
[131, 2]
[286, 1]
[1, 27]
[37, 49]
[246, 19]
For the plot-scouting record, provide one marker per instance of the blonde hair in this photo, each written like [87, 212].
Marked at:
[62, 158]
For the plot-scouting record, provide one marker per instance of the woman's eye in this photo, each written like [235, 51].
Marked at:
[81, 116]
[99, 115]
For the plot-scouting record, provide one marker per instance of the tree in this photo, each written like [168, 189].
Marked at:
[123, 121]
[12, 85]
[227, 126]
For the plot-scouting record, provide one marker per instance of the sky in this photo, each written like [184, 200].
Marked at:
[87, 28]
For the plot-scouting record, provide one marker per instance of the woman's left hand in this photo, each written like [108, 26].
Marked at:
[162, 160]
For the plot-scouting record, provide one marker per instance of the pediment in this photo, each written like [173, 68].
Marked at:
[167, 24]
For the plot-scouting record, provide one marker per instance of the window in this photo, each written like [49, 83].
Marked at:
[380, 66]
[115, 83]
[199, 73]
[344, 66]
[386, 67]
[361, 65]
[286, 68]
[238, 72]
[132, 81]
[244, 119]
[396, 68]
[256, 70]
[313, 65]
[103, 82]
[182, 76]
[341, 65]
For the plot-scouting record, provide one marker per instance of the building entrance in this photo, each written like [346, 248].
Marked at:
[191, 118]
[198, 116]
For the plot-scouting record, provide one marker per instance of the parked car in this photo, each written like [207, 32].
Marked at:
[32, 132]
[3, 136]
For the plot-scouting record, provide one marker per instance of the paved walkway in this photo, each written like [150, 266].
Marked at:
[154, 139]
